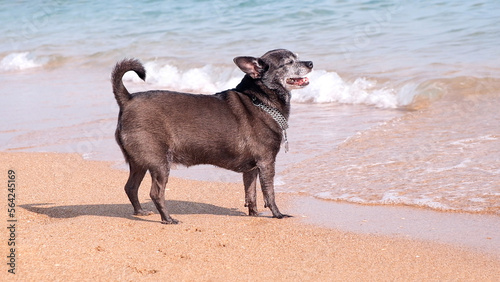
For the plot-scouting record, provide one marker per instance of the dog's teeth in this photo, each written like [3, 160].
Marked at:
[300, 81]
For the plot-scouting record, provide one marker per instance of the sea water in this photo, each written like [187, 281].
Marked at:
[402, 107]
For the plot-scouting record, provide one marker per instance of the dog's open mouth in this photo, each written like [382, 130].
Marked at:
[298, 81]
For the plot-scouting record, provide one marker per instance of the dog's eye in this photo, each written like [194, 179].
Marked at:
[287, 62]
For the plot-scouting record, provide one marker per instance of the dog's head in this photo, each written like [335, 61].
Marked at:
[277, 69]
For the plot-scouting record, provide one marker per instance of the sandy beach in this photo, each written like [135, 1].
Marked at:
[392, 172]
[75, 222]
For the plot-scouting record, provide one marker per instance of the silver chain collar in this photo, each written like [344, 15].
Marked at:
[276, 115]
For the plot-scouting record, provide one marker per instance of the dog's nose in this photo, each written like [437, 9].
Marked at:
[309, 64]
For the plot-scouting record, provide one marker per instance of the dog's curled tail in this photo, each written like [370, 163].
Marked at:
[121, 93]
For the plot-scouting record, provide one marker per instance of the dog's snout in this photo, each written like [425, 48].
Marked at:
[308, 64]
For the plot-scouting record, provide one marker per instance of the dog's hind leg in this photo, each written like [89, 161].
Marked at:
[132, 188]
[159, 176]
[250, 182]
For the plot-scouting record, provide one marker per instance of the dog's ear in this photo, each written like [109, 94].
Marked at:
[254, 67]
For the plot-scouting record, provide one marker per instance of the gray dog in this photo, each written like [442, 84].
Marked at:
[239, 129]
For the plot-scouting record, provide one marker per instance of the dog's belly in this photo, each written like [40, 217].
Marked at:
[219, 150]
[221, 159]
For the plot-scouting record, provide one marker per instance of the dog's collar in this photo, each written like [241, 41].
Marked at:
[276, 115]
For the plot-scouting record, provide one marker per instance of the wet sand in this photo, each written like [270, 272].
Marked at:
[475, 231]
[75, 222]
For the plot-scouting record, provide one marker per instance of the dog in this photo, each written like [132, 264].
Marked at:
[240, 129]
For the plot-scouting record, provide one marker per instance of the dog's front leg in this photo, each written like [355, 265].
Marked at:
[157, 194]
[250, 182]
[266, 174]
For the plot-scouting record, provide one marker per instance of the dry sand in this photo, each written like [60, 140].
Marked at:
[75, 223]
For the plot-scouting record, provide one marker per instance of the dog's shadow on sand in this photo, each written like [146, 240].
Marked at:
[125, 210]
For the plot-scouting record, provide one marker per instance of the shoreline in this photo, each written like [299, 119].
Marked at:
[474, 231]
[75, 221]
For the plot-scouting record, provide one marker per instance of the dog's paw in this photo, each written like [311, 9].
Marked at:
[253, 211]
[280, 216]
[143, 213]
[170, 221]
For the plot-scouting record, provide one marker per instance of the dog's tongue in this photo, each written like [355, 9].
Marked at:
[299, 81]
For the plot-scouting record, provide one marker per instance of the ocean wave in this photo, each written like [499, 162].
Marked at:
[19, 61]
[325, 86]
[393, 197]
[329, 87]
[208, 79]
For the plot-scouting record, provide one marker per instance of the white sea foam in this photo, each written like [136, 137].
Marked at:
[207, 79]
[462, 164]
[327, 195]
[471, 142]
[390, 197]
[329, 87]
[18, 61]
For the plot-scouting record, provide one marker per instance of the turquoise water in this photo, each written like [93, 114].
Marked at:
[402, 107]
[355, 36]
